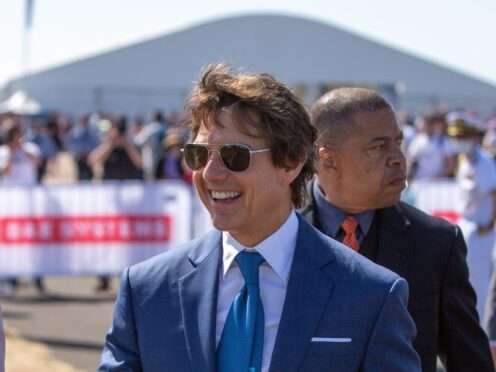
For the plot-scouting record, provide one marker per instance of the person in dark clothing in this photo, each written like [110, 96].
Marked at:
[118, 157]
[169, 166]
[120, 160]
[82, 140]
[361, 173]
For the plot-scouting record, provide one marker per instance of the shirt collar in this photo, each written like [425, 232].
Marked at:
[277, 249]
[331, 217]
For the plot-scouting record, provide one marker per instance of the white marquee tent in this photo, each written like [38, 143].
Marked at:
[20, 104]
[309, 55]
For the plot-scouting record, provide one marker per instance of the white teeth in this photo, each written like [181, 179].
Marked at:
[222, 195]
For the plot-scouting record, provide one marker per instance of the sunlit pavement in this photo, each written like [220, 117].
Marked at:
[67, 323]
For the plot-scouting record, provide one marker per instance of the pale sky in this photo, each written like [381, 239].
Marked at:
[460, 34]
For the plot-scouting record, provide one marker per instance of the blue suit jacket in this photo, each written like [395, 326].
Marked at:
[341, 313]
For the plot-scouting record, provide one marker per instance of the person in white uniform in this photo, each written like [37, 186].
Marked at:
[430, 154]
[19, 160]
[476, 178]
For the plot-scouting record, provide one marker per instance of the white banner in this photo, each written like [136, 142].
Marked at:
[90, 228]
[437, 196]
[100, 228]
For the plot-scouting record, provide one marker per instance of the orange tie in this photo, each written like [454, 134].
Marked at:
[349, 227]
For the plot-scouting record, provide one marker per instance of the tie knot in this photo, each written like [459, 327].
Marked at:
[349, 225]
[248, 263]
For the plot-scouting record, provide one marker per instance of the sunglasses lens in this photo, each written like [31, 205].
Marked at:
[196, 156]
[235, 157]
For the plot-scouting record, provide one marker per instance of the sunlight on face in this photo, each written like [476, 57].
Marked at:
[251, 204]
[372, 169]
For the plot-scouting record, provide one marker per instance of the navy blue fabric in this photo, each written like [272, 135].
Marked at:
[165, 313]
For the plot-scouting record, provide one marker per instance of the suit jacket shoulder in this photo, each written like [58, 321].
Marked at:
[419, 218]
[430, 238]
[156, 321]
[175, 263]
[157, 280]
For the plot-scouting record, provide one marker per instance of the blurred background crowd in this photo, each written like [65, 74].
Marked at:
[104, 146]
[100, 146]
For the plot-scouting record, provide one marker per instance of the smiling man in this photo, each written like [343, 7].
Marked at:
[361, 173]
[264, 290]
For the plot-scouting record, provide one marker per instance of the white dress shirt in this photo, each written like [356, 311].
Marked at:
[277, 250]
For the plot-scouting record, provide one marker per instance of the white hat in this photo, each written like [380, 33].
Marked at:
[464, 123]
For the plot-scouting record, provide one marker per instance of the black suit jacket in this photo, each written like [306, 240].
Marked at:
[430, 254]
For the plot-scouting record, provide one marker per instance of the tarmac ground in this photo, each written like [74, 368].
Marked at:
[62, 330]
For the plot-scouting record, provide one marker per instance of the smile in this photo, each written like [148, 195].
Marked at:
[224, 195]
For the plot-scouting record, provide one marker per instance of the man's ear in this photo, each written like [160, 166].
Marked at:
[327, 159]
[293, 171]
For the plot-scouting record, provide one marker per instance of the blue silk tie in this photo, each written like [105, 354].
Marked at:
[241, 345]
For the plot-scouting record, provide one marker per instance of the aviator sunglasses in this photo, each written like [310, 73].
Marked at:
[235, 156]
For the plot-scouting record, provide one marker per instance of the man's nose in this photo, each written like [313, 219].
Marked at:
[397, 158]
[214, 168]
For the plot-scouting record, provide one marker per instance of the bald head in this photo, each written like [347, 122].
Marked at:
[333, 113]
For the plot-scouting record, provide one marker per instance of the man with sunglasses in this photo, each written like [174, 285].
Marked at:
[361, 173]
[264, 290]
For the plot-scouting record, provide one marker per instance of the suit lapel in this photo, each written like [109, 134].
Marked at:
[395, 242]
[310, 210]
[369, 246]
[308, 292]
[198, 296]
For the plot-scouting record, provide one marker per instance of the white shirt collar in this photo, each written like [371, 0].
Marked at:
[277, 249]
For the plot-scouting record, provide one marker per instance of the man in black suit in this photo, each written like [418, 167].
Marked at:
[361, 174]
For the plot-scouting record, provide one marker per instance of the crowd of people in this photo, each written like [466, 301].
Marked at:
[250, 152]
[459, 144]
[102, 146]
[153, 145]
